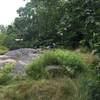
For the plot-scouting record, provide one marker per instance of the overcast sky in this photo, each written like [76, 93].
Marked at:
[8, 10]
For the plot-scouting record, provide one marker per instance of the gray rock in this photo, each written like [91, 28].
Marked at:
[21, 57]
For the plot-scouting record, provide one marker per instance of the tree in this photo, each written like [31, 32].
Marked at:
[39, 19]
[63, 22]
[3, 29]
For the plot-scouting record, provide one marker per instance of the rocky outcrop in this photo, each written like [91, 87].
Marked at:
[21, 57]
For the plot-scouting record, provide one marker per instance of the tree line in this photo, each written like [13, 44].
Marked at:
[67, 23]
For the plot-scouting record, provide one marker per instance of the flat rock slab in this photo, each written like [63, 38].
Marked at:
[21, 57]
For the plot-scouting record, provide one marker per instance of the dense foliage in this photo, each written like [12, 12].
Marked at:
[63, 22]
[58, 23]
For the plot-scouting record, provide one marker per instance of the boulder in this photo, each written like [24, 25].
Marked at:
[21, 57]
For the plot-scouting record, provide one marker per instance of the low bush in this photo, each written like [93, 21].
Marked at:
[9, 41]
[5, 74]
[69, 62]
[3, 50]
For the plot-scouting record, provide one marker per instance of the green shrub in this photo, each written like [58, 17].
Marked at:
[68, 61]
[9, 41]
[2, 38]
[5, 73]
[3, 50]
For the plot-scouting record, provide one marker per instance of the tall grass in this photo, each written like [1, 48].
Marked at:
[58, 89]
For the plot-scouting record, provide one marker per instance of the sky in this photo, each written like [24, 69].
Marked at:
[8, 10]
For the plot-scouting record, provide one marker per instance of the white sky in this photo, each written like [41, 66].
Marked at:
[8, 10]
